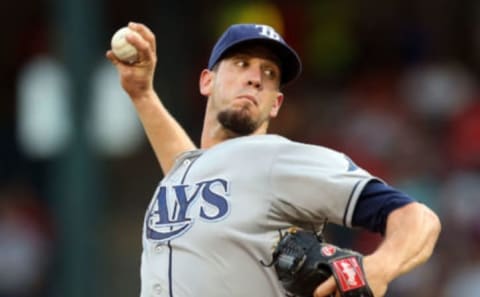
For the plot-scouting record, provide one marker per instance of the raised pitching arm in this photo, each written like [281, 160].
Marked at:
[167, 138]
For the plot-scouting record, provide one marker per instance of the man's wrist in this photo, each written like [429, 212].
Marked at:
[388, 267]
[145, 96]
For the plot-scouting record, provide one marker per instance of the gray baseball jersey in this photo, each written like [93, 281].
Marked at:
[217, 213]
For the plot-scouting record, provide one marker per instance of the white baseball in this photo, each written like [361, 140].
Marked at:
[122, 49]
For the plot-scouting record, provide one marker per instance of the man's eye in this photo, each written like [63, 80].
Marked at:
[270, 73]
[241, 63]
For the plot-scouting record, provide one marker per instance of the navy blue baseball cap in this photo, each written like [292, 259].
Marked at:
[238, 34]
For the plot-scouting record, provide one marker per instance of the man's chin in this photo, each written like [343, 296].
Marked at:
[239, 129]
[237, 122]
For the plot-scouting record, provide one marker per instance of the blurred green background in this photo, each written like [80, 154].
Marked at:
[394, 84]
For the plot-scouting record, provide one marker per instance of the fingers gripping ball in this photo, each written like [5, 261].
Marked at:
[303, 261]
[121, 48]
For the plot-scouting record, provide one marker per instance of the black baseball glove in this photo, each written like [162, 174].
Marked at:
[303, 261]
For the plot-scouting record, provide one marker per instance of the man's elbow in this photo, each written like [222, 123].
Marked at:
[434, 223]
[433, 227]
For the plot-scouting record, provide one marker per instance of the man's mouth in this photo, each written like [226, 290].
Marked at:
[249, 98]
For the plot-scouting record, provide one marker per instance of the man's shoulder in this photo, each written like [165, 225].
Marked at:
[257, 141]
[277, 144]
[252, 147]
[315, 149]
[281, 143]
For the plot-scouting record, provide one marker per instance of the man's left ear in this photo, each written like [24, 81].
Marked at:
[276, 105]
[205, 82]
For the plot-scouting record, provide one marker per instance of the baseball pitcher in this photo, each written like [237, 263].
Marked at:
[240, 215]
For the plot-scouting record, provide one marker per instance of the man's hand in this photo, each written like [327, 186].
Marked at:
[376, 280]
[137, 78]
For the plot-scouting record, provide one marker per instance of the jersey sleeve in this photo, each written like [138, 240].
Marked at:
[311, 184]
[375, 204]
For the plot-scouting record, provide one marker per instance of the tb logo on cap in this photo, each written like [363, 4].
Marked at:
[268, 32]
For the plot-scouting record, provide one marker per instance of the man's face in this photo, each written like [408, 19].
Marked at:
[244, 89]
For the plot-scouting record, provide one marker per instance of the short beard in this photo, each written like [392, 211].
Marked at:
[237, 122]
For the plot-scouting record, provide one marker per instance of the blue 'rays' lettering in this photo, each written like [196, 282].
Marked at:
[183, 202]
[165, 222]
[214, 199]
[174, 226]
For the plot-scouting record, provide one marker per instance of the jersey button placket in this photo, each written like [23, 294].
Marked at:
[159, 248]
[157, 290]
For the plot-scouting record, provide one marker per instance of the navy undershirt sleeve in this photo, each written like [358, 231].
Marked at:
[375, 203]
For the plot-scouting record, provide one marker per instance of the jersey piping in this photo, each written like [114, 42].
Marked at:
[170, 250]
[349, 202]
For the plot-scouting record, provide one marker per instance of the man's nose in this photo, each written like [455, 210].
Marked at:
[255, 78]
